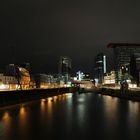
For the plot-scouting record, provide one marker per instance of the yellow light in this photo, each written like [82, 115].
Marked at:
[2, 86]
[132, 86]
[55, 98]
[50, 99]
[6, 120]
[43, 105]
[43, 100]
[5, 116]
[22, 110]
[23, 115]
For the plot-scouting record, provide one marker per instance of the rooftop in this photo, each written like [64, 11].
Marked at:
[113, 45]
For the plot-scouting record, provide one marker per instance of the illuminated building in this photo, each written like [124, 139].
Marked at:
[24, 78]
[122, 56]
[8, 82]
[109, 78]
[65, 68]
[27, 66]
[46, 81]
[100, 67]
[42, 80]
[12, 70]
[135, 68]
[82, 76]
[21, 74]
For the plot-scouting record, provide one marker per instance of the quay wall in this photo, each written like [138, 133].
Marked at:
[128, 95]
[20, 96]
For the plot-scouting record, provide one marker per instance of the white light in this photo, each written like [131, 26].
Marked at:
[128, 81]
[75, 78]
[132, 85]
[2, 86]
[104, 59]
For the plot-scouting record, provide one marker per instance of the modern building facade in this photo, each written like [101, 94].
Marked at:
[65, 68]
[109, 78]
[43, 80]
[135, 68]
[100, 67]
[82, 76]
[47, 81]
[122, 56]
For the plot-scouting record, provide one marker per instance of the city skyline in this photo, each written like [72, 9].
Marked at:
[70, 69]
[44, 30]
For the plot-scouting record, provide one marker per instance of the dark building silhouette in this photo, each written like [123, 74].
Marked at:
[11, 70]
[135, 68]
[39, 79]
[65, 68]
[100, 67]
[122, 56]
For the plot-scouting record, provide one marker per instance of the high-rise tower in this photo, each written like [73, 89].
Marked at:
[122, 57]
[65, 68]
[100, 67]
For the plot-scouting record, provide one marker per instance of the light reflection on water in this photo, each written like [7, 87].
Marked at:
[6, 119]
[23, 121]
[133, 115]
[49, 108]
[110, 107]
[81, 115]
[43, 106]
[134, 108]
[5, 125]
[46, 106]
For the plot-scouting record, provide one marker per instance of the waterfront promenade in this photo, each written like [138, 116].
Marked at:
[21, 96]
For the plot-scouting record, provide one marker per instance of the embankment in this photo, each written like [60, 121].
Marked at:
[128, 95]
[20, 96]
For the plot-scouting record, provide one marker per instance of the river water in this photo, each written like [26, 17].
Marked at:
[72, 116]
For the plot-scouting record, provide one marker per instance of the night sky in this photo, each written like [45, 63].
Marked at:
[40, 31]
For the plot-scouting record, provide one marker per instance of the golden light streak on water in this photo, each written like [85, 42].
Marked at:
[23, 121]
[6, 119]
[110, 108]
[55, 98]
[22, 110]
[49, 99]
[43, 107]
[134, 107]
[22, 117]
[6, 116]
[49, 108]
[43, 100]
[59, 97]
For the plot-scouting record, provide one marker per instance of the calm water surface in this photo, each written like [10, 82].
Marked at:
[72, 116]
